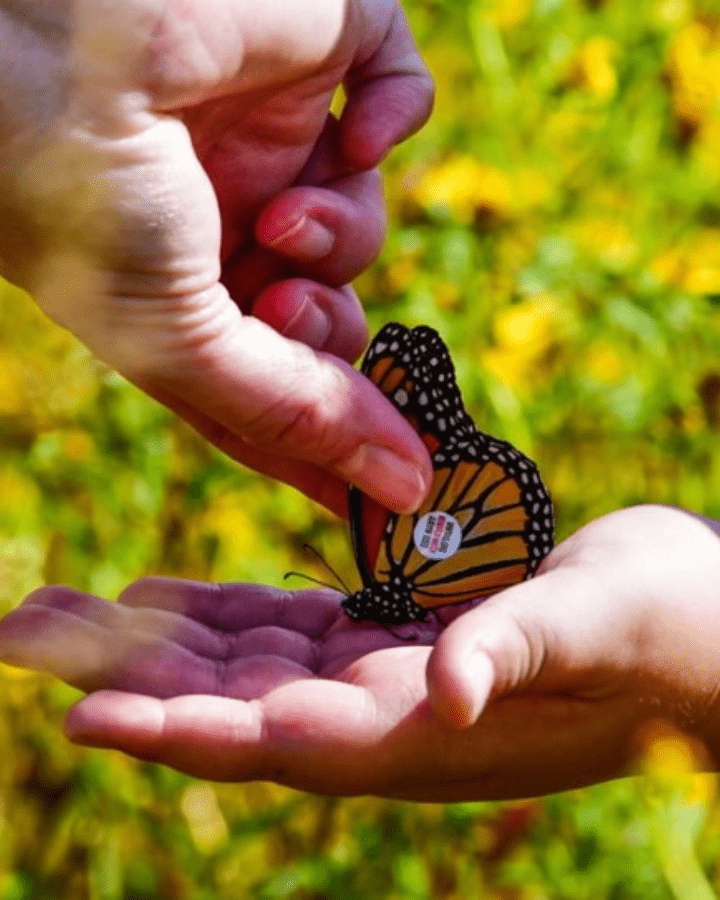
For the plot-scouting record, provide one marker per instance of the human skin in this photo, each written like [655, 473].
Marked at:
[174, 191]
[550, 685]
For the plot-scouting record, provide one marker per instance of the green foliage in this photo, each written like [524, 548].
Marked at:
[558, 221]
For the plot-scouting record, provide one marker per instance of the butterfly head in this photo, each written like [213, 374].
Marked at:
[387, 604]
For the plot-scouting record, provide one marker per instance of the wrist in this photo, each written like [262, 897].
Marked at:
[683, 652]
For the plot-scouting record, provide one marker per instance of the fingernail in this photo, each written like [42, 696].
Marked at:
[306, 240]
[309, 324]
[388, 478]
[463, 692]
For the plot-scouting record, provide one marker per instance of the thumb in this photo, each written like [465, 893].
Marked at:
[277, 397]
[522, 638]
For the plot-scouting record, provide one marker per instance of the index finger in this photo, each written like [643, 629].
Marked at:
[237, 606]
[390, 96]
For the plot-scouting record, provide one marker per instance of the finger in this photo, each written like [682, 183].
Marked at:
[94, 645]
[329, 226]
[314, 734]
[315, 482]
[193, 734]
[28, 639]
[250, 271]
[235, 606]
[283, 399]
[89, 656]
[294, 739]
[331, 233]
[322, 318]
[75, 607]
[232, 607]
[390, 96]
[539, 635]
[217, 621]
[336, 738]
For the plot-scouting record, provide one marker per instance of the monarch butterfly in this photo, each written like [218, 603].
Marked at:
[487, 521]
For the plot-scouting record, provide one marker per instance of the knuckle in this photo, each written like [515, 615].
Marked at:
[305, 423]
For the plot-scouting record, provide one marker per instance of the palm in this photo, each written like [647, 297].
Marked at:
[294, 653]
[239, 682]
[229, 124]
[249, 161]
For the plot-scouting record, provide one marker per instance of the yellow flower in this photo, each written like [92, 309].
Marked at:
[8, 671]
[18, 493]
[701, 260]
[77, 445]
[694, 70]
[532, 188]
[508, 14]
[703, 280]
[531, 325]
[401, 273]
[205, 819]
[672, 12]
[13, 386]
[467, 187]
[594, 69]
[524, 334]
[227, 521]
[667, 266]
[706, 147]
[604, 363]
[508, 368]
[608, 239]
[694, 266]
[669, 756]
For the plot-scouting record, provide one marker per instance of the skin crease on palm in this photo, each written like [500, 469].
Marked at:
[174, 191]
[547, 686]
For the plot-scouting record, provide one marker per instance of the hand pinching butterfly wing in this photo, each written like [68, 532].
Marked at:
[487, 521]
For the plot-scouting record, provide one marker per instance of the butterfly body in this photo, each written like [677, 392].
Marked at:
[487, 520]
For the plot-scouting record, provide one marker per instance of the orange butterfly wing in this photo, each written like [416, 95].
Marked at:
[487, 520]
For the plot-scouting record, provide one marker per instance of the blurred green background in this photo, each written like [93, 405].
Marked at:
[558, 221]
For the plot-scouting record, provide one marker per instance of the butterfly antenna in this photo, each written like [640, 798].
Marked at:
[327, 565]
[318, 580]
[309, 578]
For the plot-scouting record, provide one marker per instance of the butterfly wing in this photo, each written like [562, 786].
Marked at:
[500, 521]
[401, 363]
[487, 520]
